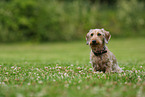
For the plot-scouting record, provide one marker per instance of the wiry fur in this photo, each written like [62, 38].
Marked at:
[105, 62]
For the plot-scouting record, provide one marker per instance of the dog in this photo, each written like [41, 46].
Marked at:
[101, 58]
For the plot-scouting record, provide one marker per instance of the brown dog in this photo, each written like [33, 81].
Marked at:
[101, 58]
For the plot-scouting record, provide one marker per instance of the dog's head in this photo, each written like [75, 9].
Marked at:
[97, 37]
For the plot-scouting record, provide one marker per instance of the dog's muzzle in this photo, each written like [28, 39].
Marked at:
[94, 42]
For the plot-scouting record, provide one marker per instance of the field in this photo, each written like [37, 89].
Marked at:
[63, 70]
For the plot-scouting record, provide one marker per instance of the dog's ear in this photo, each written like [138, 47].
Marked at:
[107, 35]
[87, 39]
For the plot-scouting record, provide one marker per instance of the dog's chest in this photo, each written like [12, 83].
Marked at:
[101, 59]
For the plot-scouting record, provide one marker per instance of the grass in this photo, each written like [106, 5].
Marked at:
[63, 69]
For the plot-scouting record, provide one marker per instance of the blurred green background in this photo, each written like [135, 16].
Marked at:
[69, 20]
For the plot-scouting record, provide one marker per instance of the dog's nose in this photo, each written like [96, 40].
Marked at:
[93, 41]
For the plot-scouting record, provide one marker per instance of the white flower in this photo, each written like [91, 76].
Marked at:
[40, 82]
[59, 67]
[125, 83]
[12, 67]
[79, 81]
[15, 68]
[29, 84]
[66, 85]
[6, 73]
[65, 74]
[61, 76]
[78, 68]
[19, 67]
[78, 87]
[46, 67]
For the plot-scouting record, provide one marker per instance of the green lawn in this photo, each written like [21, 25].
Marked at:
[63, 70]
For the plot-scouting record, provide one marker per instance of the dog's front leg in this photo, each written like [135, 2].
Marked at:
[108, 67]
[95, 67]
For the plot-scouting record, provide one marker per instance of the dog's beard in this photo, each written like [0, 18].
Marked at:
[98, 47]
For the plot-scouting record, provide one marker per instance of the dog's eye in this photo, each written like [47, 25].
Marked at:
[92, 34]
[99, 34]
